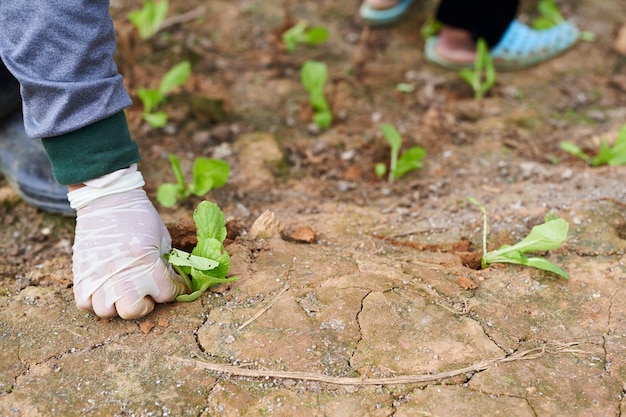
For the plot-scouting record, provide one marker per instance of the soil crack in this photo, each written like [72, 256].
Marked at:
[358, 323]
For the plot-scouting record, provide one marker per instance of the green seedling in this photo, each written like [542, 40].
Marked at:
[549, 15]
[313, 75]
[547, 236]
[607, 155]
[399, 165]
[405, 88]
[151, 98]
[302, 33]
[430, 27]
[208, 174]
[149, 18]
[483, 76]
[208, 263]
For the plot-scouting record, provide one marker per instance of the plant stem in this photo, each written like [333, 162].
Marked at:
[185, 277]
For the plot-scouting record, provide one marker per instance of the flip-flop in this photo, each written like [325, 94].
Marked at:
[378, 17]
[520, 47]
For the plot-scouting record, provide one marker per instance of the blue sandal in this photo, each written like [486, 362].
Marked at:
[520, 47]
[379, 17]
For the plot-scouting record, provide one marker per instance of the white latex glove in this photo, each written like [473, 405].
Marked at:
[117, 263]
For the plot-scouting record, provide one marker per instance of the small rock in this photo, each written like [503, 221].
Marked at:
[146, 326]
[265, 226]
[8, 195]
[303, 234]
[620, 41]
[466, 283]
[201, 137]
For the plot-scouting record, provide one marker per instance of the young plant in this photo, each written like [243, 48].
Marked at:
[399, 165]
[607, 155]
[547, 236]
[483, 76]
[313, 75]
[151, 98]
[148, 19]
[430, 27]
[549, 15]
[208, 263]
[207, 175]
[302, 33]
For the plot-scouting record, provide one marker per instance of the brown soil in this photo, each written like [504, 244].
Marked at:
[362, 279]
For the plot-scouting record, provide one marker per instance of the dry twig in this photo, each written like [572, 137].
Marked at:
[264, 309]
[183, 18]
[398, 380]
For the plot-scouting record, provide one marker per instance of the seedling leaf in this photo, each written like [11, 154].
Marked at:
[181, 258]
[210, 222]
[148, 19]
[178, 173]
[547, 236]
[298, 33]
[550, 15]
[541, 263]
[573, 149]
[430, 27]
[323, 119]
[380, 169]
[176, 76]
[156, 120]
[410, 161]
[166, 194]
[149, 98]
[483, 76]
[316, 35]
[313, 76]
[607, 155]
[211, 232]
[208, 173]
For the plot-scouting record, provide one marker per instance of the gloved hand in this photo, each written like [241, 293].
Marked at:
[117, 263]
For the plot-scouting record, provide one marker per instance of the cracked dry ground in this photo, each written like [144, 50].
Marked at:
[383, 315]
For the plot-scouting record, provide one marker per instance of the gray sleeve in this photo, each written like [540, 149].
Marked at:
[62, 53]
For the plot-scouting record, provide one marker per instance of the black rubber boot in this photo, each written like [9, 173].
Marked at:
[23, 161]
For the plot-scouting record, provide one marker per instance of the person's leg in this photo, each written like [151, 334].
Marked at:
[512, 44]
[464, 22]
[73, 96]
[10, 98]
[23, 161]
[381, 4]
[487, 19]
[383, 12]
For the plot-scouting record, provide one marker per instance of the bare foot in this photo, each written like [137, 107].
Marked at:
[456, 45]
[381, 4]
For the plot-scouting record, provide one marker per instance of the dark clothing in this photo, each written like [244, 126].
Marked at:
[9, 92]
[487, 19]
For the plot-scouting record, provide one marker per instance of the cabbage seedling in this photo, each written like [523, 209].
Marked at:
[550, 15]
[430, 27]
[547, 236]
[151, 98]
[399, 165]
[483, 76]
[607, 155]
[313, 75]
[149, 18]
[208, 173]
[208, 263]
[302, 33]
